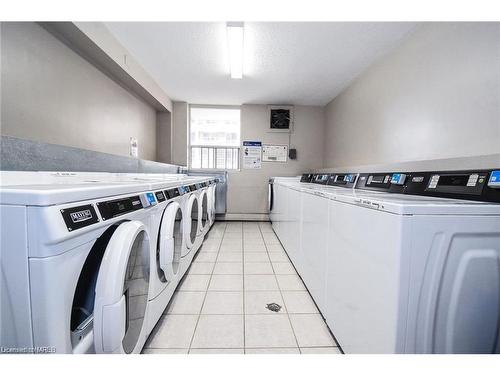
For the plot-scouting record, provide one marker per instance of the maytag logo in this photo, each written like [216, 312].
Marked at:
[78, 217]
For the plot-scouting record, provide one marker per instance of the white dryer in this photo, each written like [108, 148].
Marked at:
[75, 264]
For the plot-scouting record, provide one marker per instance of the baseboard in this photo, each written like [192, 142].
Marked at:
[242, 217]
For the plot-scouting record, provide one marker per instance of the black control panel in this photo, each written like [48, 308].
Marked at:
[79, 217]
[160, 196]
[306, 177]
[344, 180]
[379, 182]
[476, 185]
[469, 185]
[320, 178]
[172, 193]
[117, 207]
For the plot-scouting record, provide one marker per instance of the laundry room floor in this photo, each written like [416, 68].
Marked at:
[221, 306]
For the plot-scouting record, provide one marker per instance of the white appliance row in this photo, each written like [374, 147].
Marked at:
[398, 273]
[89, 261]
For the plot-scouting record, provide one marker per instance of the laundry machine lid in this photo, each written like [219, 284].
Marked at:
[120, 298]
[417, 205]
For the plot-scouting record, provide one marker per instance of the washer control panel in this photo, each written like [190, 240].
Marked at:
[398, 178]
[148, 200]
[160, 196]
[307, 177]
[344, 180]
[118, 207]
[457, 183]
[321, 178]
[494, 181]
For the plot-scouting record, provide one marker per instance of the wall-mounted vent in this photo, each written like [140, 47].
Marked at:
[281, 118]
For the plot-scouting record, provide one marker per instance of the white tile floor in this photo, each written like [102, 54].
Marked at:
[220, 306]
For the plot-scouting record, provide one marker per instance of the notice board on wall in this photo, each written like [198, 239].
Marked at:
[252, 154]
[275, 153]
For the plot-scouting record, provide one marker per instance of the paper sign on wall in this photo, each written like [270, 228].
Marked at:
[134, 147]
[252, 155]
[277, 153]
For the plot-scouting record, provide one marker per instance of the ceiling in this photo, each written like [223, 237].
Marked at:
[284, 63]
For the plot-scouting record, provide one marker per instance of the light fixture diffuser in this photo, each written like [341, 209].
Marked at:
[235, 46]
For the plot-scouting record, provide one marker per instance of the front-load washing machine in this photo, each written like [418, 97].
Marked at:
[75, 264]
[192, 223]
[204, 207]
[212, 188]
[169, 227]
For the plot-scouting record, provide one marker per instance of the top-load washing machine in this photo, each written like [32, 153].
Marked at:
[416, 269]
[307, 237]
[75, 264]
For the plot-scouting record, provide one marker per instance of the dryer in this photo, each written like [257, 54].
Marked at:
[75, 264]
[169, 229]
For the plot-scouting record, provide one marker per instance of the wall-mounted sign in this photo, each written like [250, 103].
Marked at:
[252, 154]
[276, 153]
[134, 147]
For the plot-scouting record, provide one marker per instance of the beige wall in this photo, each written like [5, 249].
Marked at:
[164, 137]
[180, 120]
[51, 94]
[435, 96]
[247, 189]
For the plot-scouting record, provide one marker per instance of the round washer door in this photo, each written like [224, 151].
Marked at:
[203, 209]
[169, 244]
[192, 221]
[211, 196]
[120, 296]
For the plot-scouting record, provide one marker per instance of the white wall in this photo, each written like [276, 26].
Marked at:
[53, 95]
[435, 96]
[247, 189]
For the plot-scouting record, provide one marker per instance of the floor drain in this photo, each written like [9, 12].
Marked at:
[273, 307]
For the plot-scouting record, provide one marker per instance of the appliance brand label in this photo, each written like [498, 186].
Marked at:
[417, 179]
[77, 217]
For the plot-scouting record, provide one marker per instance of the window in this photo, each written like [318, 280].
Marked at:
[214, 137]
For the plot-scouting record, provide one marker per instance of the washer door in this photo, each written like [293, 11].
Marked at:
[168, 253]
[211, 195]
[203, 209]
[120, 297]
[192, 221]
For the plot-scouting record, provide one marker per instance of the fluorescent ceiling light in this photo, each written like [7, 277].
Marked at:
[235, 45]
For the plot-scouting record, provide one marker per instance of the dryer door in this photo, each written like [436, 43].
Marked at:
[192, 221]
[120, 296]
[203, 209]
[212, 202]
[168, 253]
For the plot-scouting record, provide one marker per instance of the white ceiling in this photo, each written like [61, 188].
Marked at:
[284, 63]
